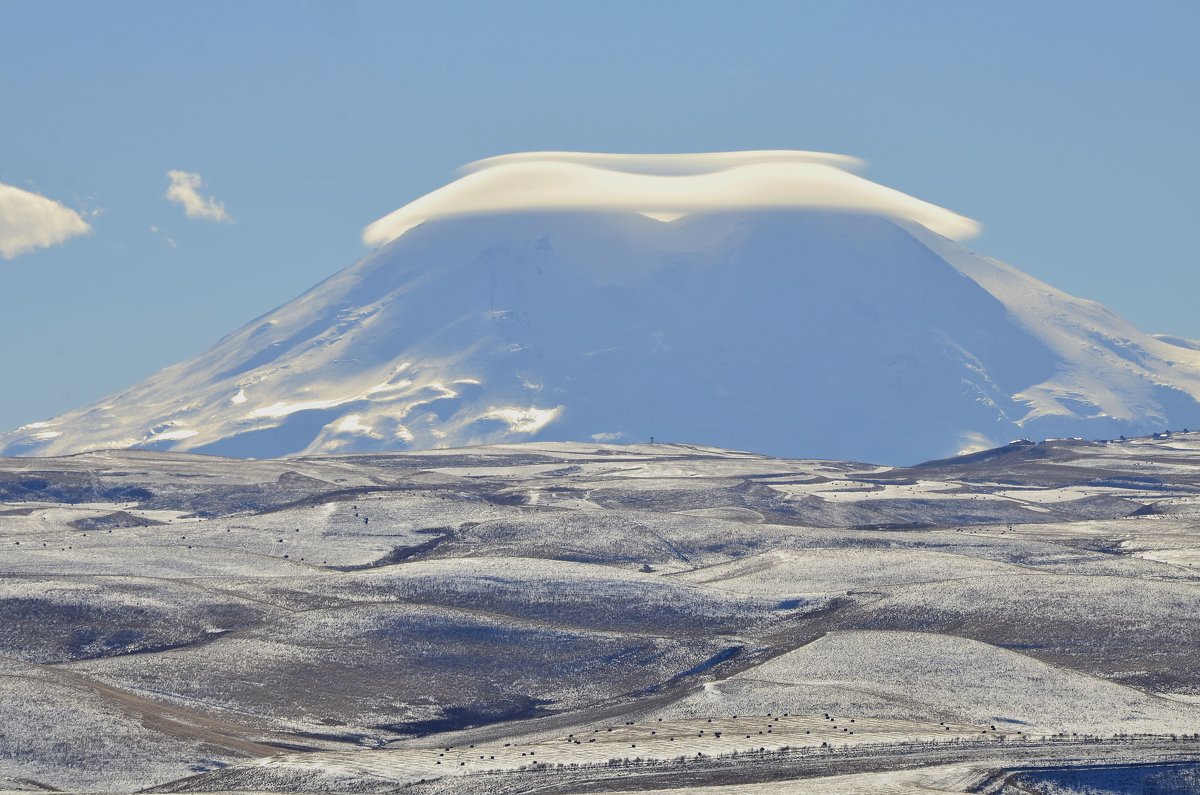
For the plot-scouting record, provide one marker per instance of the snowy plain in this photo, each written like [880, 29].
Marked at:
[552, 615]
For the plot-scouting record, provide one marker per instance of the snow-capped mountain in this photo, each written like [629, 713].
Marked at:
[765, 301]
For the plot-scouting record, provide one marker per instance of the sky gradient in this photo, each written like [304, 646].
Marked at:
[1067, 129]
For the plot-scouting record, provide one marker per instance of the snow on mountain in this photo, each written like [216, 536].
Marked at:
[766, 301]
[1182, 342]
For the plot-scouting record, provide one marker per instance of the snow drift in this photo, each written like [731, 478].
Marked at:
[769, 301]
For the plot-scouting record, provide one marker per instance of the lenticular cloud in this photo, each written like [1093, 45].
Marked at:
[665, 187]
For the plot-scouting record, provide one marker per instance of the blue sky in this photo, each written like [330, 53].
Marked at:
[1067, 128]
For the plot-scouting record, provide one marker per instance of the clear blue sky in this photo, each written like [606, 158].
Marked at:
[1068, 128]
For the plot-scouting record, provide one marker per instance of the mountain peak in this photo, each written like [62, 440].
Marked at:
[836, 330]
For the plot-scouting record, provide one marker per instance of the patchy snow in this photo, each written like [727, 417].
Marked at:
[523, 420]
[936, 780]
[176, 611]
[284, 408]
[352, 423]
[174, 435]
[661, 740]
[784, 573]
[927, 677]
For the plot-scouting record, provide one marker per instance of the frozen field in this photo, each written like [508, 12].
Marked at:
[585, 618]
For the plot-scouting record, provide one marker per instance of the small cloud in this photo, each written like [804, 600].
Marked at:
[185, 191]
[29, 221]
[170, 241]
[87, 207]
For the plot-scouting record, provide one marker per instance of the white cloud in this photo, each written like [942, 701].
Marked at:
[170, 241]
[185, 191]
[665, 187]
[29, 221]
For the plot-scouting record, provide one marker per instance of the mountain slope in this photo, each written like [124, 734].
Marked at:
[827, 332]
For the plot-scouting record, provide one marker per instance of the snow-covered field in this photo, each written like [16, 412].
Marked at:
[499, 619]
